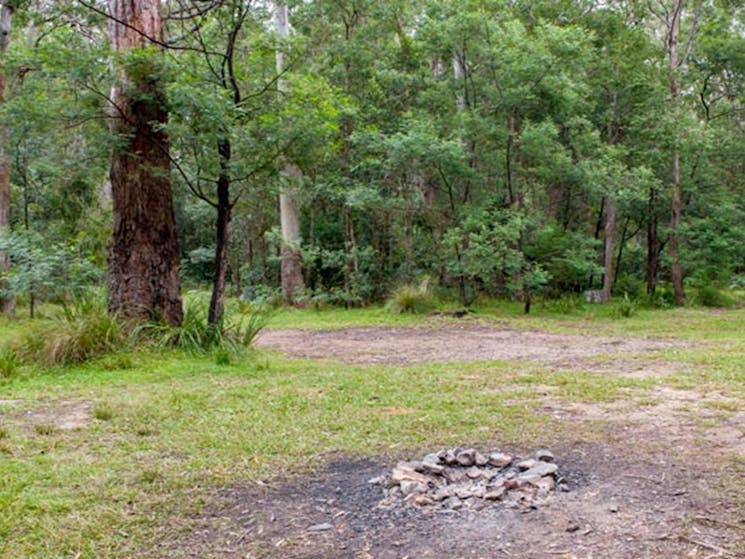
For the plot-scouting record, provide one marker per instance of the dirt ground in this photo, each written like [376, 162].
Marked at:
[460, 342]
[662, 480]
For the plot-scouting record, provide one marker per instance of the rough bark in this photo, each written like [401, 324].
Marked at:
[222, 235]
[289, 209]
[7, 303]
[675, 269]
[610, 228]
[143, 278]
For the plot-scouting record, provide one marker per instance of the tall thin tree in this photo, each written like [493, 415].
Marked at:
[676, 271]
[143, 278]
[292, 177]
[7, 303]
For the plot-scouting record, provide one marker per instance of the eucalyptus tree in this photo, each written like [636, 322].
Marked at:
[7, 7]
[143, 276]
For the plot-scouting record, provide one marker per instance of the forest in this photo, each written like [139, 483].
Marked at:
[372, 279]
[329, 153]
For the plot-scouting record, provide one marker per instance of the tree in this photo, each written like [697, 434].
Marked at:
[143, 278]
[7, 304]
[292, 175]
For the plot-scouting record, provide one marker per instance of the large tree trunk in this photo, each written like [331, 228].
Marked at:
[289, 210]
[143, 277]
[7, 303]
[675, 268]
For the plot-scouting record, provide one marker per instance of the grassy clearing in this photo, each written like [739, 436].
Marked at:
[162, 430]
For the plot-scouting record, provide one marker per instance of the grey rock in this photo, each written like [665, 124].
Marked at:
[453, 503]
[404, 472]
[432, 459]
[474, 473]
[409, 487]
[467, 457]
[526, 464]
[320, 527]
[432, 468]
[480, 460]
[541, 469]
[499, 460]
[442, 493]
[494, 494]
[544, 455]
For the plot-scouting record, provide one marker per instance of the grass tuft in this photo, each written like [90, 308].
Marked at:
[103, 411]
[414, 299]
[9, 363]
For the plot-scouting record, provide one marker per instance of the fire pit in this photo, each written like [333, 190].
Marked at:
[458, 478]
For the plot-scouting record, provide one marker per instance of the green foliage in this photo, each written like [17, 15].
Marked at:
[625, 308]
[9, 363]
[196, 335]
[45, 271]
[415, 299]
[84, 333]
[710, 296]
[566, 305]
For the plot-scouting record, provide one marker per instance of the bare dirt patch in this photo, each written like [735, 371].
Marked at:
[62, 414]
[625, 502]
[469, 342]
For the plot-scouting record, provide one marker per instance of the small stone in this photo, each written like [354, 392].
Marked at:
[474, 473]
[463, 492]
[541, 469]
[432, 468]
[527, 481]
[613, 508]
[451, 458]
[499, 460]
[422, 500]
[545, 484]
[404, 472]
[480, 460]
[494, 494]
[380, 480]
[544, 455]
[478, 492]
[442, 493]
[409, 487]
[320, 527]
[453, 503]
[455, 476]
[432, 459]
[572, 527]
[526, 464]
[467, 457]
[511, 484]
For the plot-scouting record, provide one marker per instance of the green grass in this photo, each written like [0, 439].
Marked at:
[168, 428]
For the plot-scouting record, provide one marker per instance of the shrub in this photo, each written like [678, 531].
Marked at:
[197, 335]
[565, 305]
[411, 299]
[81, 336]
[9, 363]
[709, 296]
[626, 307]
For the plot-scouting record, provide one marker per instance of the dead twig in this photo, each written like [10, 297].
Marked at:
[706, 545]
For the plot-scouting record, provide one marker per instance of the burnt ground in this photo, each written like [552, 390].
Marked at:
[624, 502]
[658, 480]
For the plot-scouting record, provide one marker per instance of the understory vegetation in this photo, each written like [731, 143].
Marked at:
[157, 429]
[515, 150]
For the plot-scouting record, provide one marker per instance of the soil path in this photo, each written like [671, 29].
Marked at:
[469, 342]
